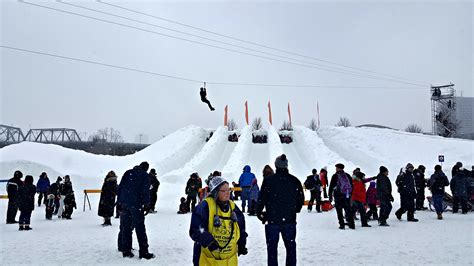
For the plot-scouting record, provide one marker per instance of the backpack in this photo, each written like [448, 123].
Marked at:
[308, 184]
[343, 185]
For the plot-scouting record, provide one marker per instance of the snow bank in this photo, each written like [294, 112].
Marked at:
[240, 154]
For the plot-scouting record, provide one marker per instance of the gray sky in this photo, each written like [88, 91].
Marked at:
[424, 41]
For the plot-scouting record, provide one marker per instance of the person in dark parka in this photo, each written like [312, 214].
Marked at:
[42, 186]
[154, 185]
[203, 94]
[436, 184]
[282, 197]
[192, 189]
[13, 185]
[384, 195]
[54, 190]
[406, 188]
[341, 189]
[26, 202]
[134, 201]
[66, 191]
[460, 185]
[107, 198]
[313, 184]
[420, 183]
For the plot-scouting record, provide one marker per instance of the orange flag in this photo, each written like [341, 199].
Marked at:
[289, 113]
[270, 113]
[246, 113]
[225, 116]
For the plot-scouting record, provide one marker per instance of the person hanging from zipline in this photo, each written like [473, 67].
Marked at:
[203, 94]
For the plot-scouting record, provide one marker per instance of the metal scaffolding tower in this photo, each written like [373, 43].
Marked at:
[443, 110]
[47, 135]
[10, 134]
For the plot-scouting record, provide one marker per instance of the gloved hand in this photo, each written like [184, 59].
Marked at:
[262, 217]
[146, 209]
[213, 246]
[242, 250]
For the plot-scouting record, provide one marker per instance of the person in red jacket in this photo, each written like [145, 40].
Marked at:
[359, 196]
[323, 176]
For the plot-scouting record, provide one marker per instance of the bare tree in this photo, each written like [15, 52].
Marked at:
[312, 125]
[106, 134]
[343, 122]
[232, 125]
[286, 126]
[257, 123]
[414, 128]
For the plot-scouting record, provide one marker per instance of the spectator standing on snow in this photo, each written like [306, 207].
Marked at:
[133, 198]
[384, 195]
[42, 186]
[245, 182]
[54, 190]
[420, 183]
[460, 185]
[154, 185]
[267, 171]
[13, 185]
[406, 188]
[107, 198]
[218, 227]
[323, 176]
[341, 189]
[436, 184]
[282, 197]
[313, 184]
[372, 202]
[359, 196]
[192, 189]
[26, 202]
[254, 190]
[67, 195]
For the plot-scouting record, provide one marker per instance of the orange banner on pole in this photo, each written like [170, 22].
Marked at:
[270, 113]
[225, 116]
[289, 113]
[246, 112]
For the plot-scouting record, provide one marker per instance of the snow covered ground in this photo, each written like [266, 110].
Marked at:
[83, 241]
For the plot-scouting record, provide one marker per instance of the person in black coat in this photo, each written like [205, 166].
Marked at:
[54, 190]
[13, 185]
[460, 186]
[384, 195]
[313, 184]
[67, 193]
[26, 202]
[436, 184]
[154, 185]
[133, 198]
[406, 188]
[107, 198]
[282, 197]
[341, 189]
[204, 99]
[420, 183]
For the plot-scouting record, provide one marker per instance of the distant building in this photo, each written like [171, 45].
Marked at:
[464, 115]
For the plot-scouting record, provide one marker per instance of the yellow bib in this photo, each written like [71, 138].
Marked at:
[222, 234]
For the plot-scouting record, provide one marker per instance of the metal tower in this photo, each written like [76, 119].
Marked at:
[443, 110]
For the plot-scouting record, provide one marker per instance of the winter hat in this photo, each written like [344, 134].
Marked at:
[59, 179]
[152, 171]
[314, 171]
[339, 166]
[437, 167]
[383, 169]
[215, 183]
[459, 164]
[194, 175]
[29, 179]
[144, 166]
[409, 165]
[18, 174]
[359, 175]
[421, 167]
[372, 184]
[281, 162]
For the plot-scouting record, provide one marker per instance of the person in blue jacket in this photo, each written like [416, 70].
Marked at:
[245, 182]
[42, 187]
[218, 227]
[133, 196]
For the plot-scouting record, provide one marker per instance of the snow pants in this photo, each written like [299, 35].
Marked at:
[385, 209]
[25, 217]
[133, 218]
[407, 204]
[315, 195]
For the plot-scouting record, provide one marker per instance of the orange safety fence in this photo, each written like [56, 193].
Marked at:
[86, 197]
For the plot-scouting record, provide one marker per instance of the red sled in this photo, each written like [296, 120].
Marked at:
[326, 205]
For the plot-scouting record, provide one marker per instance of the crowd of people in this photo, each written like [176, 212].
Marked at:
[217, 224]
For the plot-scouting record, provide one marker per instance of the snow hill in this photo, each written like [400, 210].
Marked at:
[82, 241]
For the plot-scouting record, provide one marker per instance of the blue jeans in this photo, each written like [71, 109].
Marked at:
[245, 197]
[25, 217]
[438, 202]
[272, 235]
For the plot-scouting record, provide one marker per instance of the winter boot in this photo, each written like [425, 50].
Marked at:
[399, 215]
[352, 226]
[383, 223]
[146, 255]
[27, 227]
[366, 225]
[440, 216]
[127, 254]
[21, 228]
[342, 227]
[411, 217]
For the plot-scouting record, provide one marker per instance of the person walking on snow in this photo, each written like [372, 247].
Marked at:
[13, 185]
[372, 202]
[313, 184]
[26, 202]
[341, 188]
[384, 195]
[107, 198]
[245, 182]
[436, 183]
[42, 186]
[192, 189]
[406, 188]
[420, 183]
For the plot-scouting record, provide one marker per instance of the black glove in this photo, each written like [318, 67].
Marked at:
[262, 217]
[213, 246]
[146, 209]
[242, 250]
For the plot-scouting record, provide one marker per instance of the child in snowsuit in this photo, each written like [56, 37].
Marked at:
[26, 202]
[67, 193]
[372, 202]
[50, 206]
[183, 206]
[254, 190]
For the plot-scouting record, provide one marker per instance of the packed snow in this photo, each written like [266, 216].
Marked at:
[83, 241]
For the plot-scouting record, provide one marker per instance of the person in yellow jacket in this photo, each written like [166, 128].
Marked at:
[218, 227]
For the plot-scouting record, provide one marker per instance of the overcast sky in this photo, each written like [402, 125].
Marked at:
[425, 42]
